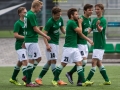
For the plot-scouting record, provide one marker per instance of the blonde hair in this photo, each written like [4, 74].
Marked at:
[36, 3]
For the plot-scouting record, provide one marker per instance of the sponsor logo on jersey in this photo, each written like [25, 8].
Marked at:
[59, 23]
[95, 30]
[56, 31]
[86, 30]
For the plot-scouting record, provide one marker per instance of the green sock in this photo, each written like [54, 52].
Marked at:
[57, 72]
[35, 64]
[29, 72]
[84, 62]
[24, 70]
[91, 73]
[15, 72]
[44, 70]
[80, 74]
[103, 73]
[74, 69]
[53, 67]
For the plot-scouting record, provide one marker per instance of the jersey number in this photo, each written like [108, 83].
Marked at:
[82, 53]
[23, 56]
[52, 55]
[66, 59]
[35, 55]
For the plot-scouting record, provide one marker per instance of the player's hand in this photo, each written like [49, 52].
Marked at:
[89, 30]
[23, 45]
[91, 42]
[41, 27]
[48, 38]
[98, 22]
[80, 20]
[48, 48]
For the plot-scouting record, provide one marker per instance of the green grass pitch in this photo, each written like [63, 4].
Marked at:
[113, 72]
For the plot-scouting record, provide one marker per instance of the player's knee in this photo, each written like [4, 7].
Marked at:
[101, 68]
[63, 64]
[94, 62]
[99, 63]
[39, 59]
[53, 61]
[84, 62]
[24, 62]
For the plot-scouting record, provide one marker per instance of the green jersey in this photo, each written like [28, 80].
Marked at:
[52, 27]
[29, 22]
[19, 28]
[85, 27]
[99, 37]
[71, 35]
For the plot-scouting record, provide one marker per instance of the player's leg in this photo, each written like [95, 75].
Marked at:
[37, 56]
[77, 59]
[42, 73]
[83, 49]
[32, 50]
[24, 61]
[84, 53]
[57, 73]
[51, 57]
[84, 61]
[70, 73]
[66, 57]
[95, 58]
[15, 73]
[102, 69]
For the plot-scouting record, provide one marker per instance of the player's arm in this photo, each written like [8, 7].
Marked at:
[62, 26]
[48, 47]
[91, 27]
[99, 27]
[36, 29]
[89, 30]
[16, 35]
[62, 29]
[79, 31]
[41, 28]
[33, 22]
[16, 30]
[46, 30]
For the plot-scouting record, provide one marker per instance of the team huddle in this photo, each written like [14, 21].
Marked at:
[75, 49]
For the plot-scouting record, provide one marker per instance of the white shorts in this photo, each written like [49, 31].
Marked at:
[71, 55]
[83, 50]
[22, 54]
[53, 55]
[98, 54]
[33, 50]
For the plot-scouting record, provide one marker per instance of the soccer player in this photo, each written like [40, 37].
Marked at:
[82, 43]
[71, 52]
[31, 39]
[98, 27]
[52, 29]
[19, 35]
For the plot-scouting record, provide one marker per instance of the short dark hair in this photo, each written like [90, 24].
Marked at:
[100, 6]
[20, 9]
[56, 10]
[87, 6]
[71, 12]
